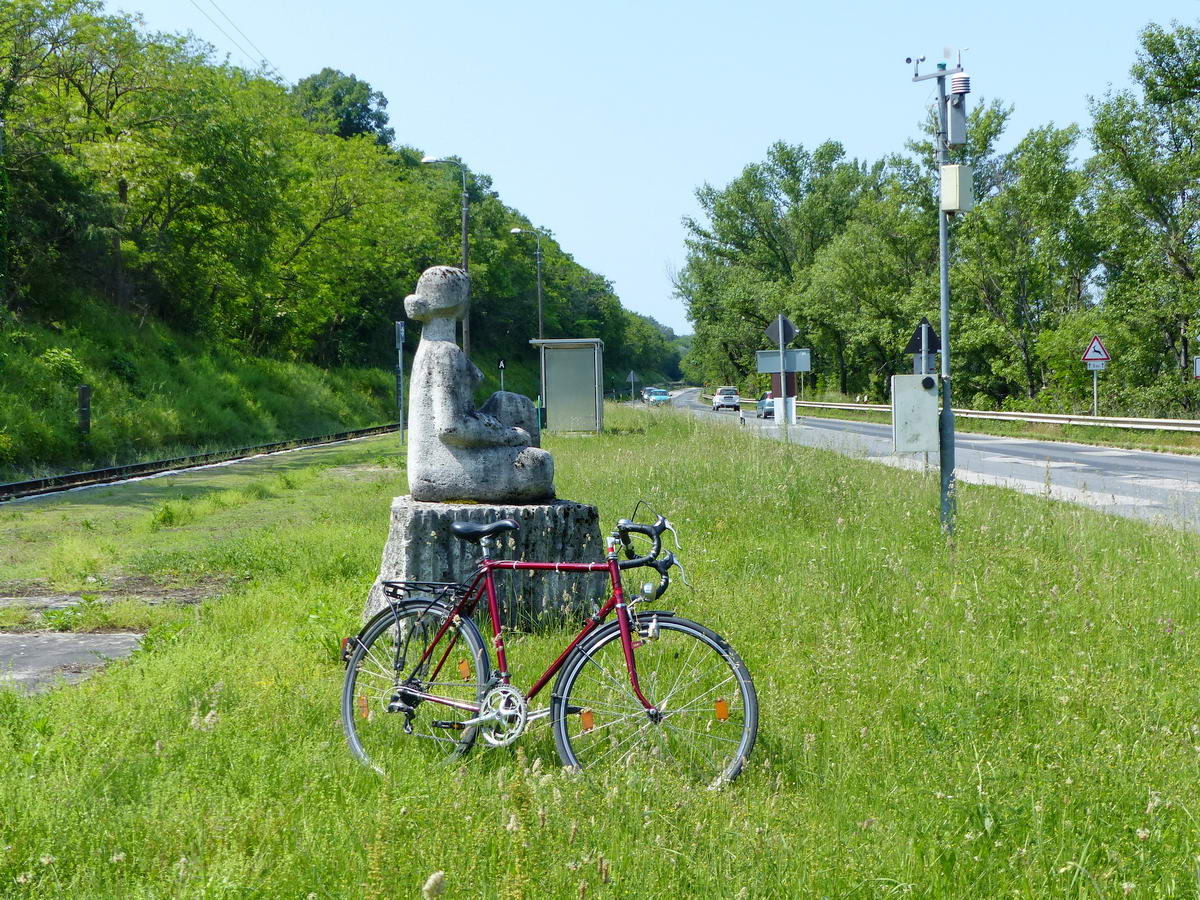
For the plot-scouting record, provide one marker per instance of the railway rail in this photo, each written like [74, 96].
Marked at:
[68, 481]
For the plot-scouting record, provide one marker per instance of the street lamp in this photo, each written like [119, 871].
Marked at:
[537, 255]
[433, 160]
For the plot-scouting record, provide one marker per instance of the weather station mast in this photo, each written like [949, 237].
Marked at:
[956, 195]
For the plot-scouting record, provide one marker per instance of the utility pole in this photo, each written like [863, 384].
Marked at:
[951, 131]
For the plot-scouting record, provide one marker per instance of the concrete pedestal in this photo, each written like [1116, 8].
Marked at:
[420, 547]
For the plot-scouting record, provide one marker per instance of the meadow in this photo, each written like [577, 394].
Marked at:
[1008, 713]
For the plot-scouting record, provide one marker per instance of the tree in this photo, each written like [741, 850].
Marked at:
[1148, 169]
[337, 103]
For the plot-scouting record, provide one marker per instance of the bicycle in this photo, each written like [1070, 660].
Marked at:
[420, 669]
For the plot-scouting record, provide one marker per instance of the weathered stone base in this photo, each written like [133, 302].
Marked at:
[420, 547]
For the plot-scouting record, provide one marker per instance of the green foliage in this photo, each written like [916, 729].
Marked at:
[62, 365]
[149, 181]
[341, 104]
[1055, 251]
[159, 393]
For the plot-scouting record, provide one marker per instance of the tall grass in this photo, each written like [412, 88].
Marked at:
[1012, 713]
[157, 393]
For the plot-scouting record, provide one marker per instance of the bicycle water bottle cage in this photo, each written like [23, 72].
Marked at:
[475, 531]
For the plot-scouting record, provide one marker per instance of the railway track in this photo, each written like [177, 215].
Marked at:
[69, 481]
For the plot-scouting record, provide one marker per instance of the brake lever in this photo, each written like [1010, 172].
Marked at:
[682, 573]
[674, 534]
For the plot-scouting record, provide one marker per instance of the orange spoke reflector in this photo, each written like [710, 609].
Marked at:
[464, 670]
[364, 709]
[587, 719]
[722, 709]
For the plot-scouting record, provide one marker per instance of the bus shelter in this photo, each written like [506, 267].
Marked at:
[572, 383]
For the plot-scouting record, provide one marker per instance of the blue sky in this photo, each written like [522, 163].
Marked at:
[599, 120]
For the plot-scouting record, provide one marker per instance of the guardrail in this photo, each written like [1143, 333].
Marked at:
[34, 487]
[1192, 425]
[1048, 418]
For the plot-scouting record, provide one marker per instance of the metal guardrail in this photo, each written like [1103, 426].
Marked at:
[34, 487]
[1192, 425]
[1048, 418]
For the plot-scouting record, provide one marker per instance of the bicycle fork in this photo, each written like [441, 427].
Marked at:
[625, 625]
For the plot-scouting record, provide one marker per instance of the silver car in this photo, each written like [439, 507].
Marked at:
[726, 398]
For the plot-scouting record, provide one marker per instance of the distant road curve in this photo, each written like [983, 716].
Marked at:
[1159, 487]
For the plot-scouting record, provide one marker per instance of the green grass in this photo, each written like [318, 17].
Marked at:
[158, 394]
[1012, 714]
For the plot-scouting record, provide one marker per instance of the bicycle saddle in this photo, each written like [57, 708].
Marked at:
[473, 531]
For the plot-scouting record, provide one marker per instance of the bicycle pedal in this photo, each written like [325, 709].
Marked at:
[451, 726]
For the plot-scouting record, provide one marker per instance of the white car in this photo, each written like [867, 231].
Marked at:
[726, 398]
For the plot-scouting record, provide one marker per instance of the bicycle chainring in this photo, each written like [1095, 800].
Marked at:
[511, 713]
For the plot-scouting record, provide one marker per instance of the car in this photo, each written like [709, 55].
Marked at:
[658, 397]
[726, 398]
[765, 408]
[646, 394]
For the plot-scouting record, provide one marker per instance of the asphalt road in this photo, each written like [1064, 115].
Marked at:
[1159, 487]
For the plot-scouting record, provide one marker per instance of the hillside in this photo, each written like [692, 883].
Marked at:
[149, 191]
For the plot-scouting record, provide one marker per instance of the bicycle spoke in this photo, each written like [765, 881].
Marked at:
[685, 665]
[374, 683]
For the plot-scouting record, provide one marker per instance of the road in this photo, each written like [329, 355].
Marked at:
[1158, 487]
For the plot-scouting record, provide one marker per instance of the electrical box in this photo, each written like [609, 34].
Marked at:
[956, 120]
[958, 189]
[914, 413]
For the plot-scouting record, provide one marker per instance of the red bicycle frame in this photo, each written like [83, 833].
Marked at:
[484, 584]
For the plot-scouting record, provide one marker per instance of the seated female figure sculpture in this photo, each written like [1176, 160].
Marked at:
[456, 452]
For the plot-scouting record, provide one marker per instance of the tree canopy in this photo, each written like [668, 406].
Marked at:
[1057, 249]
[285, 220]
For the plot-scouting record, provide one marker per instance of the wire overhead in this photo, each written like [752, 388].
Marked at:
[217, 25]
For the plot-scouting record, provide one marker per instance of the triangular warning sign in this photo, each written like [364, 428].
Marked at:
[1095, 351]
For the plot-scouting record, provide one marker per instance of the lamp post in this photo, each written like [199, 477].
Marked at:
[537, 255]
[434, 160]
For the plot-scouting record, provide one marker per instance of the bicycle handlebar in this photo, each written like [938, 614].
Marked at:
[654, 532]
[663, 566]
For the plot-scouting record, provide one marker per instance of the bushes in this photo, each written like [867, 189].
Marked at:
[156, 393]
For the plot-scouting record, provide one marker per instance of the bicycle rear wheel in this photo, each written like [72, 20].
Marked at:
[380, 716]
[708, 710]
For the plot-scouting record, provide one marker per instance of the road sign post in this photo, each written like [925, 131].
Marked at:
[632, 378]
[1096, 358]
[400, 377]
[782, 332]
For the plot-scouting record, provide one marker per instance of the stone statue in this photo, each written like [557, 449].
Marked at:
[456, 452]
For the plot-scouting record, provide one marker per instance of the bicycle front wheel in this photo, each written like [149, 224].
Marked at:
[392, 659]
[707, 711]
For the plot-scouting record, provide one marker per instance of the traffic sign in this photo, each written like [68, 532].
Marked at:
[781, 331]
[932, 343]
[1095, 351]
[1096, 365]
[632, 376]
[501, 365]
[794, 360]
[1196, 365]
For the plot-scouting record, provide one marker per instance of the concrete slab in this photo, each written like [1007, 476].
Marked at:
[34, 661]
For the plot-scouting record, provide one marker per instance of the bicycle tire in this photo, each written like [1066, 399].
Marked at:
[377, 669]
[688, 671]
